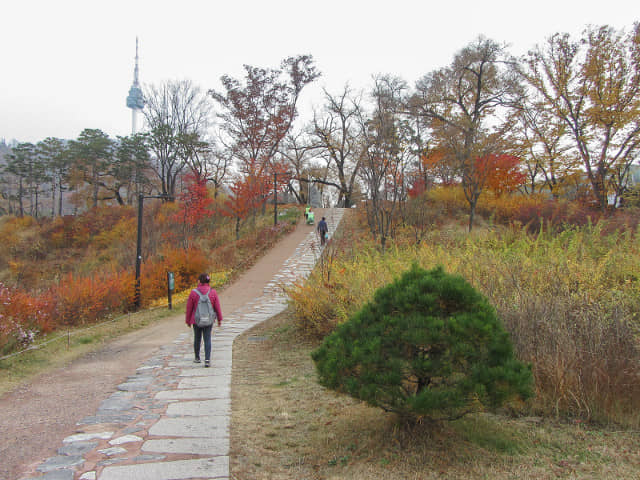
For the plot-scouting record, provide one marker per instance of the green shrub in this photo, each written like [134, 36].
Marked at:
[428, 345]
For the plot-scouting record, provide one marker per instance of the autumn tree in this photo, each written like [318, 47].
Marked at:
[335, 136]
[247, 193]
[501, 174]
[465, 103]
[592, 86]
[257, 113]
[195, 206]
[439, 166]
[540, 140]
[178, 116]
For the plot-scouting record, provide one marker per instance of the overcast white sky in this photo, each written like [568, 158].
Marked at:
[67, 65]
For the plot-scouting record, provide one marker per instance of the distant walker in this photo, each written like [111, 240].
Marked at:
[323, 230]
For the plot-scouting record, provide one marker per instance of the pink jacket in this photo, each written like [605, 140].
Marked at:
[192, 303]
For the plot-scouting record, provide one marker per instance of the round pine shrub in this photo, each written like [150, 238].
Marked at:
[428, 346]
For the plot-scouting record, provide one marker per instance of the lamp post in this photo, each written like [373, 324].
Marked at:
[141, 198]
[275, 196]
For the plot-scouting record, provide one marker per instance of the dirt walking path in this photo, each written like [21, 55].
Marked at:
[35, 416]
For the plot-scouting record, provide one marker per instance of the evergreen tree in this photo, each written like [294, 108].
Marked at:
[428, 345]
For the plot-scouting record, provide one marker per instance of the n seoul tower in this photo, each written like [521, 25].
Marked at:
[135, 99]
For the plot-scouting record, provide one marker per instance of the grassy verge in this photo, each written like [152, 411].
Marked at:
[284, 425]
[72, 344]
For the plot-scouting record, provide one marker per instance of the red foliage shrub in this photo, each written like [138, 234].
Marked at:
[186, 265]
[555, 214]
[22, 317]
[80, 300]
[626, 220]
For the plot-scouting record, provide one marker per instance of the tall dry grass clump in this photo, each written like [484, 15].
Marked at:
[570, 302]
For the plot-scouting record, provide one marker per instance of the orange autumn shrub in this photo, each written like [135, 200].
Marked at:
[23, 317]
[186, 265]
[84, 299]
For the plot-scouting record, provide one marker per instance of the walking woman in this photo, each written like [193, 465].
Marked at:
[204, 332]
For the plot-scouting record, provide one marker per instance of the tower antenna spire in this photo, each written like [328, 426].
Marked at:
[135, 99]
[135, 71]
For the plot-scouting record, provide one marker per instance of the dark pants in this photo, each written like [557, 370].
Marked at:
[323, 237]
[200, 334]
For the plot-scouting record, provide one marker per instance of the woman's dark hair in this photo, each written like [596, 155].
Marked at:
[204, 278]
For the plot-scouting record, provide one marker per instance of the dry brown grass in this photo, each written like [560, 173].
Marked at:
[285, 426]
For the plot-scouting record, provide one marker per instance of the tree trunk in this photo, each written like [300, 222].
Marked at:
[472, 214]
[60, 200]
[53, 197]
[119, 198]
[20, 204]
[95, 189]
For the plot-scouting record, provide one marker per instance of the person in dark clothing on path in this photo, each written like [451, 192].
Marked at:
[204, 333]
[323, 230]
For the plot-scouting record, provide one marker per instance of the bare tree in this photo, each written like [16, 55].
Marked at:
[385, 154]
[335, 135]
[297, 151]
[178, 115]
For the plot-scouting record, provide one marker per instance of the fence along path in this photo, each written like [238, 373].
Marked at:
[170, 421]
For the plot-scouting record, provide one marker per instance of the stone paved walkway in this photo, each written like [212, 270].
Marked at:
[170, 420]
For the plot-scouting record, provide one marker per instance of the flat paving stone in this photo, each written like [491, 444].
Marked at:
[148, 367]
[191, 394]
[55, 475]
[149, 458]
[133, 386]
[118, 401]
[125, 439]
[196, 446]
[209, 426]
[176, 470]
[60, 462]
[81, 437]
[205, 372]
[77, 448]
[212, 381]
[109, 452]
[118, 418]
[201, 408]
[111, 461]
[131, 430]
